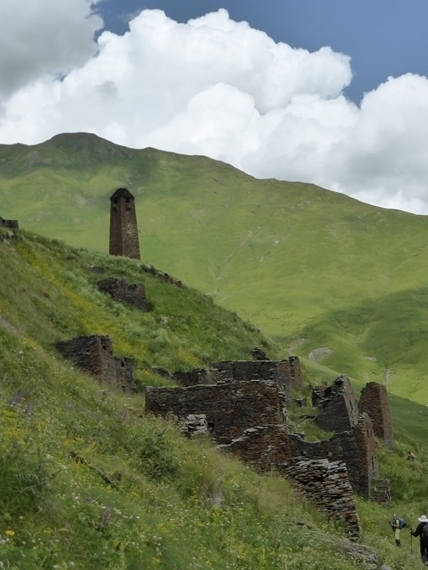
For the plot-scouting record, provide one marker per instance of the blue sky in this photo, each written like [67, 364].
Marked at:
[331, 92]
[383, 37]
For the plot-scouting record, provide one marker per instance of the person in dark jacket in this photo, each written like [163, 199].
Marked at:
[423, 521]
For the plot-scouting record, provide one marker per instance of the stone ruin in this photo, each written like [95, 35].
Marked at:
[120, 291]
[94, 354]
[326, 483]
[9, 224]
[220, 404]
[244, 406]
[285, 373]
[374, 402]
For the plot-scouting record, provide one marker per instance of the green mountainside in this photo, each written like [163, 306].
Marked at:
[336, 281]
[140, 495]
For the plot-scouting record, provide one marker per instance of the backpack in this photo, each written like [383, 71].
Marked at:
[424, 533]
[401, 524]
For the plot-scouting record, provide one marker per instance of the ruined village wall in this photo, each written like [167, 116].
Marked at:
[196, 376]
[338, 408]
[229, 409]
[133, 294]
[326, 483]
[267, 370]
[374, 402]
[94, 354]
[262, 447]
[9, 224]
[356, 447]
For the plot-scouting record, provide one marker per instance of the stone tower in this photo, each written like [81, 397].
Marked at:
[123, 225]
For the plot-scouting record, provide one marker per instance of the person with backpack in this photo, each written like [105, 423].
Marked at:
[422, 532]
[397, 524]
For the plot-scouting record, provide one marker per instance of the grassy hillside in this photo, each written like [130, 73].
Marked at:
[314, 269]
[141, 495]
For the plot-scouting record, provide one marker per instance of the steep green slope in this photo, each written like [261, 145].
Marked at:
[312, 268]
[140, 495]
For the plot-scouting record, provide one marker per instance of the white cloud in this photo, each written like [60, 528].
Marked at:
[215, 87]
[43, 36]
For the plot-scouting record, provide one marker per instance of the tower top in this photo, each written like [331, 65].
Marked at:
[122, 193]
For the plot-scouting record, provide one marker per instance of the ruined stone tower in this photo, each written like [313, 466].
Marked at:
[123, 225]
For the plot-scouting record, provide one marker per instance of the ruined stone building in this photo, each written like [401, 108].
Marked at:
[285, 373]
[94, 354]
[374, 401]
[244, 405]
[119, 290]
[224, 405]
[9, 224]
[123, 225]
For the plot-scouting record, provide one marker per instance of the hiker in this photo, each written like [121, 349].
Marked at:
[411, 456]
[422, 532]
[397, 524]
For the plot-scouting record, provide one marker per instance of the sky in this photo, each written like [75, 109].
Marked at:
[332, 92]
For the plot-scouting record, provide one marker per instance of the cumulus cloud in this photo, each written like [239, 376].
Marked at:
[215, 87]
[43, 36]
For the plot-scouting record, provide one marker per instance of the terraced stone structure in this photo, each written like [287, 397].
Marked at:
[120, 291]
[374, 402]
[123, 225]
[94, 354]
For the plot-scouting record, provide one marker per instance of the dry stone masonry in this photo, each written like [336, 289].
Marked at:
[119, 290]
[226, 406]
[244, 406]
[9, 224]
[94, 354]
[338, 408]
[123, 225]
[374, 401]
[326, 483]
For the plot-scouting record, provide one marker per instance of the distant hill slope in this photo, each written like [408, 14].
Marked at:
[331, 278]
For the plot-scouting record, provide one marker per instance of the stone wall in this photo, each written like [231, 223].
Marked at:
[357, 447]
[196, 376]
[123, 225]
[9, 224]
[229, 409]
[262, 447]
[94, 354]
[338, 408]
[374, 402]
[326, 483]
[277, 371]
[120, 291]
